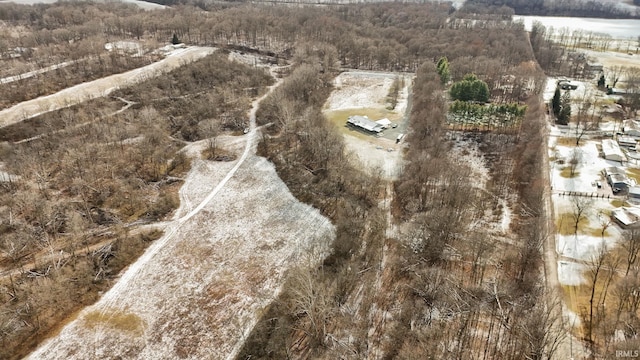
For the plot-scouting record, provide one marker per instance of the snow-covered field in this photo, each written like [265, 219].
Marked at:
[368, 90]
[101, 87]
[198, 291]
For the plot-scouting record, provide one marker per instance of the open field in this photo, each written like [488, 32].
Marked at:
[365, 94]
[220, 262]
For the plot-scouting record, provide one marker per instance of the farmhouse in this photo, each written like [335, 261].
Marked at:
[364, 123]
[612, 151]
[627, 217]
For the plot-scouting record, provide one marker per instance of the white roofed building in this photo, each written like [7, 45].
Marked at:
[365, 123]
[611, 151]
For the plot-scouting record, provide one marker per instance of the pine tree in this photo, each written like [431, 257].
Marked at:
[555, 102]
[601, 82]
[564, 116]
[175, 40]
[443, 70]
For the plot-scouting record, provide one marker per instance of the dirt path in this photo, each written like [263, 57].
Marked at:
[99, 88]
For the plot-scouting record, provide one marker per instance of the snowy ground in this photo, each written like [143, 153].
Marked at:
[356, 90]
[576, 249]
[101, 87]
[198, 291]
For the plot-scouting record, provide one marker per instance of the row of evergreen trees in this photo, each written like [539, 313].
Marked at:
[503, 115]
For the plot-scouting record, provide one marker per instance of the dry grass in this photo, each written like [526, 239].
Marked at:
[116, 320]
[617, 203]
[566, 141]
[565, 225]
[634, 174]
[566, 173]
[339, 118]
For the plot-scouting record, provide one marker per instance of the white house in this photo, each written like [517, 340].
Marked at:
[611, 151]
[363, 122]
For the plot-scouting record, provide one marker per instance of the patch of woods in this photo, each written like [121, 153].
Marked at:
[472, 294]
[445, 286]
[91, 176]
[66, 42]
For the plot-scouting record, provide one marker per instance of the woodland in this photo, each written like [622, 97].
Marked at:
[444, 289]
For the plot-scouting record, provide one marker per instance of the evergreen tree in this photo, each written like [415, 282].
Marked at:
[175, 40]
[601, 82]
[556, 102]
[470, 89]
[443, 70]
[565, 109]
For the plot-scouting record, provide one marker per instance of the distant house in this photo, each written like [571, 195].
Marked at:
[611, 151]
[634, 194]
[627, 141]
[365, 123]
[619, 183]
[627, 217]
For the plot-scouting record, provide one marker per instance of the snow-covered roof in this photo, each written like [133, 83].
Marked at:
[619, 179]
[614, 170]
[627, 216]
[612, 151]
[626, 141]
[364, 123]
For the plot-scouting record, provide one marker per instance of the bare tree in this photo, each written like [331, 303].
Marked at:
[581, 208]
[631, 245]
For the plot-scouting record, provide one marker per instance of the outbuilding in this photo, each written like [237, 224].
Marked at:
[611, 151]
[627, 217]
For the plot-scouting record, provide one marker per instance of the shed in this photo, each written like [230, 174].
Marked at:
[627, 217]
[365, 123]
[612, 151]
